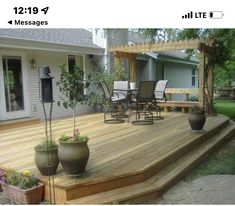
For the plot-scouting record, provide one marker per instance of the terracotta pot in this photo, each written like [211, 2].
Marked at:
[2, 174]
[197, 120]
[19, 196]
[41, 160]
[74, 157]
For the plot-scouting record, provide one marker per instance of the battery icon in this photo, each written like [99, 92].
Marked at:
[216, 14]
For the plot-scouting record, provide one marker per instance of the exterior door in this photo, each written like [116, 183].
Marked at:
[13, 85]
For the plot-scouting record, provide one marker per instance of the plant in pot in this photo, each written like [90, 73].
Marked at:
[46, 157]
[22, 187]
[196, 118]
[101, 75]
[73, 150]
[96, 99]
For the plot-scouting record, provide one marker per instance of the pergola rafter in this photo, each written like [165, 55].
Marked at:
[203, 46]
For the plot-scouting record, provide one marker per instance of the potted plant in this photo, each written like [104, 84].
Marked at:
[97, 101]
[101, 75]
[73, 150]
[2, 174]
[22, 187]
[196, 118]
[46, 157]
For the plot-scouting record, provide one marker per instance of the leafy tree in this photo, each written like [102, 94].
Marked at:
[223, 46]
[71, 86]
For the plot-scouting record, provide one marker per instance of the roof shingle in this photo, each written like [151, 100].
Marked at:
[76, 37]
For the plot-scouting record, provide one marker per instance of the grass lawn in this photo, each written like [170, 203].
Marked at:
[226, 107]
[222, 161]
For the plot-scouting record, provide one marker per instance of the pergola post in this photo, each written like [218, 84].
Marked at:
[117, 63]
[210, 83]
[201, 76]
[132, 67]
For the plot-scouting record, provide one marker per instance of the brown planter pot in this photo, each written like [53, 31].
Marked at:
[74, 157]
[19, 196]
[197, 120]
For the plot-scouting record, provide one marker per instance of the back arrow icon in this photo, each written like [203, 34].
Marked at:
[10, 22]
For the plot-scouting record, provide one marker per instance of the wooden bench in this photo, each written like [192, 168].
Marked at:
[184, 105]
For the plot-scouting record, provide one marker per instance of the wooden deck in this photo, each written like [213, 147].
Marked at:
[127, 162]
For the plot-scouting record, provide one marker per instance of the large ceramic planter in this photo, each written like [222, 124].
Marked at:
[19, 196]
[98, 107]
[197, 120]
[41, 160]
[74, 157]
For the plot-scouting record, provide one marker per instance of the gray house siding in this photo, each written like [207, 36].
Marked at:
[159, 71]
[179, 76]
[53, 61]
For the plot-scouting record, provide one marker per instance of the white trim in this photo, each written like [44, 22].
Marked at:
[17, 114]
[48, 46]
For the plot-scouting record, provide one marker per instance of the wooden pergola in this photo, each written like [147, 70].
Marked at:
[203, 46]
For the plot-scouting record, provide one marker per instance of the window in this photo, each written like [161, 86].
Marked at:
[76, 60]
[193, 77]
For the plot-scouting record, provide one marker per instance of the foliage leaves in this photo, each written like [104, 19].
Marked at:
[72, 85]
[223, 46]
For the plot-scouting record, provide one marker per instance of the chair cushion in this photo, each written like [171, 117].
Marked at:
[116, 98]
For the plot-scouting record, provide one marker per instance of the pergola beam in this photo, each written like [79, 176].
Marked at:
[160, 46]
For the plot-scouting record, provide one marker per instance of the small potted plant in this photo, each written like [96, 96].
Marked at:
[22, 187]
[73, 150]
[2, 174]
[97, 101]
[196, 118]
[46, 157]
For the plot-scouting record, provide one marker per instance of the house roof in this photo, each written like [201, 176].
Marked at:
[136, 38]
[178, 55]
[73, 37]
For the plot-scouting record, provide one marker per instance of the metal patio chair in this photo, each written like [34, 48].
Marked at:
[160, 96]
[115, 106]
[143, 103]
[120, 88]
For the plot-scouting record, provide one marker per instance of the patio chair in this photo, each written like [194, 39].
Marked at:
[160, 96]
[115, 106]
[143, 103]
[119, 88]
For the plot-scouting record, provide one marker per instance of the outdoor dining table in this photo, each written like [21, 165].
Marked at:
[131, 92]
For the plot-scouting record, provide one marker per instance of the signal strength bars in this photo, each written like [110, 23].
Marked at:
[188, 15]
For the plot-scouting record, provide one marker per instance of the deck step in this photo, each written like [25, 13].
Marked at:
[162, 180]
[162, 158]
[10, 124]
